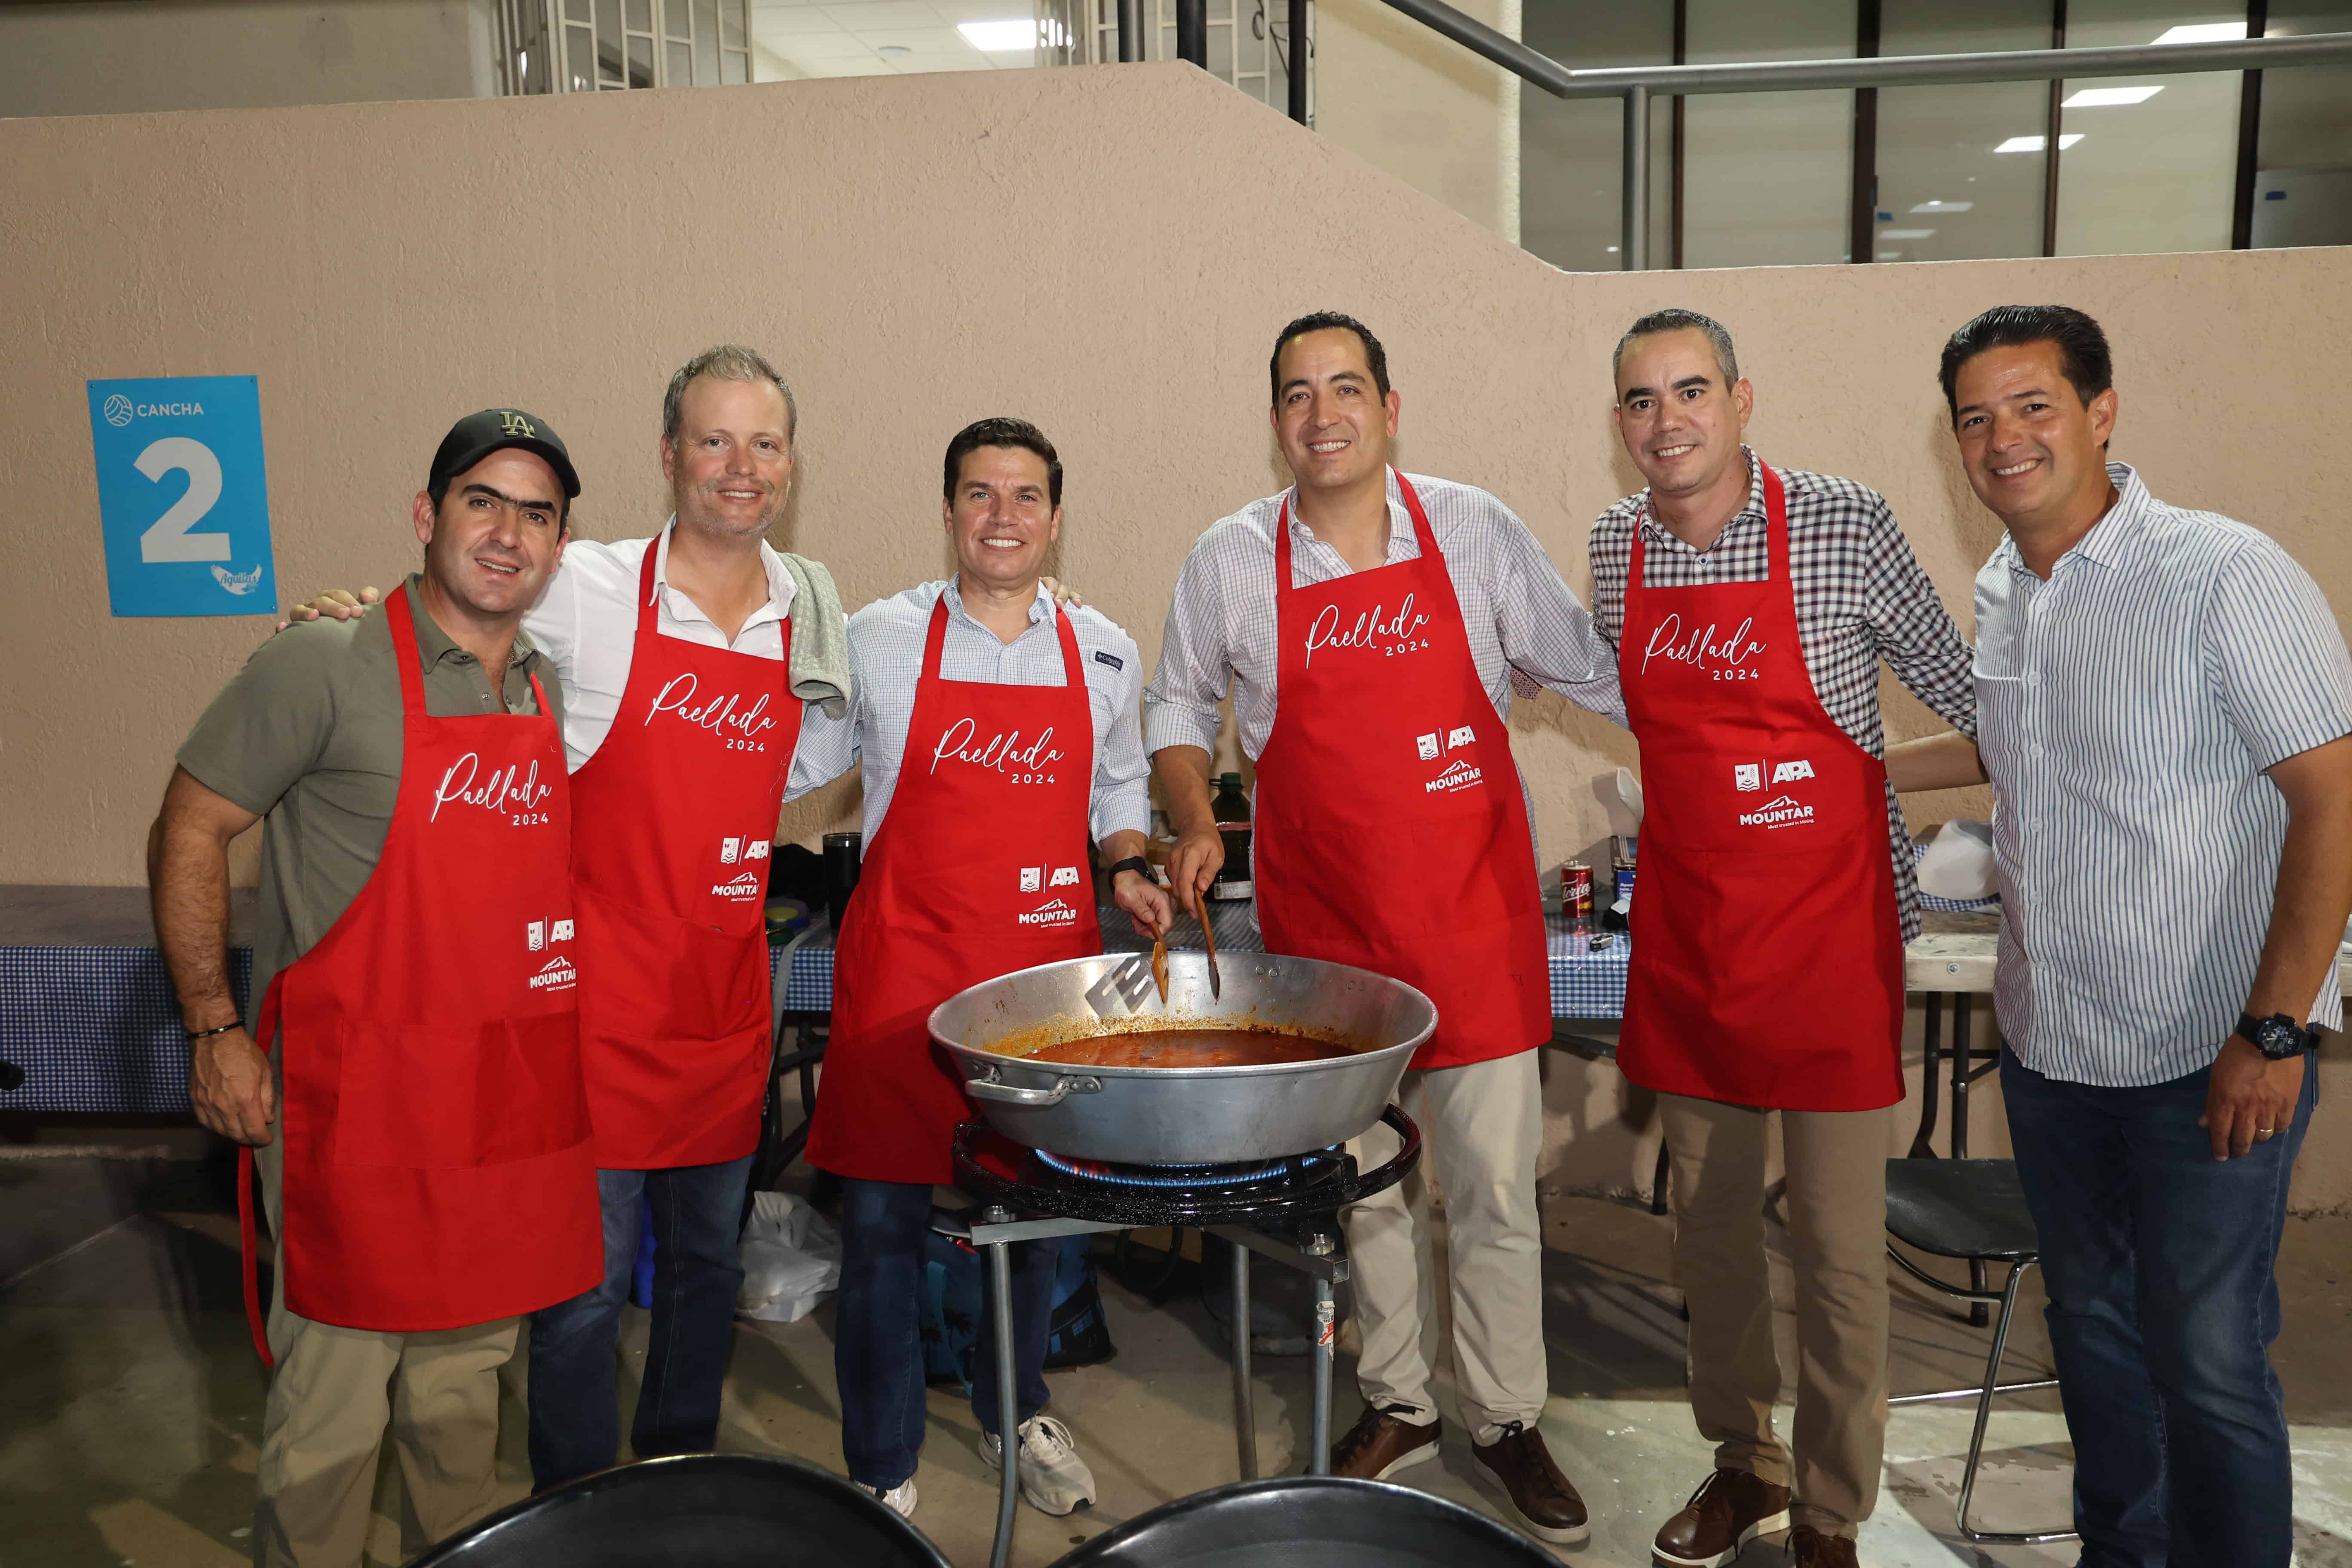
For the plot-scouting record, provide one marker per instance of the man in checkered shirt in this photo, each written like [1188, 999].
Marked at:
[1750, 609]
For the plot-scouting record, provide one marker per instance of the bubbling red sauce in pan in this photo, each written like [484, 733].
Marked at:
[1189, 1049]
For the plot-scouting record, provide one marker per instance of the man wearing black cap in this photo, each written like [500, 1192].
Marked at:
[407, 1082]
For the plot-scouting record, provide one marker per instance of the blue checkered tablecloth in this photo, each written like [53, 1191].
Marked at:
[96, 1030]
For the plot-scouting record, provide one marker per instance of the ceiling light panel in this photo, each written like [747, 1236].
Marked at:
[2203, 33]
[2105, 97]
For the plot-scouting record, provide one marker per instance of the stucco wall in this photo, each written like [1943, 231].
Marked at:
[919, 251]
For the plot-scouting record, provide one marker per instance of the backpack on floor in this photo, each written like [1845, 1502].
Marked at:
[1077, 1333]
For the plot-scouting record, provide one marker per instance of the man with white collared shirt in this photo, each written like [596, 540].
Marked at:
[1390, 610]
[995, 734]
[2165, 711]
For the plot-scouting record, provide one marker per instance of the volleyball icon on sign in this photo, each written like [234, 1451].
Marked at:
[118, 411]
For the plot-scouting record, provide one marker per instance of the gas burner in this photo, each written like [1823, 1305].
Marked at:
[1240, 1174]
[1257, 1193]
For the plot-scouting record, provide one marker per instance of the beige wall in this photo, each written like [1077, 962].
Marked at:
[919, 251]
[124, 57]
[1421, 105]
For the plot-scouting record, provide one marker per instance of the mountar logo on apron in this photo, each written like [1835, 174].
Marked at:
[1780, 811]
[1058, 912]
[746, 886]
[556, 974]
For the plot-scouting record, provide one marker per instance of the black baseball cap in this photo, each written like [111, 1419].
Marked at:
[477, 435]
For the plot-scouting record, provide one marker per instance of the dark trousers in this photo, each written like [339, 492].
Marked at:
[2163, 1305]
[698, 1212]
[878, 1346]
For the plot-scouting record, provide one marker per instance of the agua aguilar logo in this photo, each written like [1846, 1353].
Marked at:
[746, 849]
[717, 714]
[539, 934]
[1054, 913]
[1746, 776]
[1459, 775]
[1033, 878]
[555, 974]
[1372, 630]
[1780, 811]
[746, 886]
[1032, 763]
[507, 789]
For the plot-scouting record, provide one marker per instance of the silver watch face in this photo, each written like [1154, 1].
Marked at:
[2279, 1039]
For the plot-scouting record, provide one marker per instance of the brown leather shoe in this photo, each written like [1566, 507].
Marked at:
[1538, 1496]
[1730, 1508]
[1808, 1548]
[1380, 1444]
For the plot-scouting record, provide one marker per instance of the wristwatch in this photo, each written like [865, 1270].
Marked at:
[1134, 863]
[2277, 1037]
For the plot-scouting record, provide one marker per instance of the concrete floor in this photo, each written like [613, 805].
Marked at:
[130, 1398]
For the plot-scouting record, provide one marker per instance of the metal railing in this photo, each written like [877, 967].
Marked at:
[1636, 85]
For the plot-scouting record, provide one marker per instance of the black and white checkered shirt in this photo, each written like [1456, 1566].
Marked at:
[1862, 596]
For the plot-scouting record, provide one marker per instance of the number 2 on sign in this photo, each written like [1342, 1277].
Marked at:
[168, 538]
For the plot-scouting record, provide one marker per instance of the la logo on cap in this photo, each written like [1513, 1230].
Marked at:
[513, 424]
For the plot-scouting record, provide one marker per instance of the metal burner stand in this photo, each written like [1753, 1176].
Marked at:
[1311, 1243]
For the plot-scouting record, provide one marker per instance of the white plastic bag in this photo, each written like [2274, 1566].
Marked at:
[1959, 862]
[791, 1255]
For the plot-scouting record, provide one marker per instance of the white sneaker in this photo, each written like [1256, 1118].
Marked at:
[901, 1497]
[1053, 1478]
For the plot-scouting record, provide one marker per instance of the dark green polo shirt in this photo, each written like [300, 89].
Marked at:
[307, 737]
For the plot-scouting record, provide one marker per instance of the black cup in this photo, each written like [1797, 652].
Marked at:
[842, 852]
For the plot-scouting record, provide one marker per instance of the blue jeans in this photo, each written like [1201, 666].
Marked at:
[2163, 1305]
[877, 1345]
[575, 1345]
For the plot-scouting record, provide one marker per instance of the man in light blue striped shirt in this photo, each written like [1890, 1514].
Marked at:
[2164, 707]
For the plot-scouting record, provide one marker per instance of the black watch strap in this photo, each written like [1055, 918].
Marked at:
[1137, 864]
[2278, 1037]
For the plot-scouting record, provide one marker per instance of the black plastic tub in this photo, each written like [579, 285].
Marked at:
[1310, 1522]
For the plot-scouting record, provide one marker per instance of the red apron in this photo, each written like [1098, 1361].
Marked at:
[673, 815]
[1767, 953]
[440, 1011]
[978, 869]
[1389, 829]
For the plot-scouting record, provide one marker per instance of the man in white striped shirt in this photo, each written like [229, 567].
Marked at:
[1389, 830]
[2165, 711]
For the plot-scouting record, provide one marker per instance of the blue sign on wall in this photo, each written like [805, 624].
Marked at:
[183, 494]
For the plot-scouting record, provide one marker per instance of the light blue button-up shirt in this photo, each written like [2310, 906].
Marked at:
[2126, 709]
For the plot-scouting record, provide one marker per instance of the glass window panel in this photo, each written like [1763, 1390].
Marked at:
[1943, 194]
[730, 22]
[706, 42]
[579, 58]
[734, 67]
[641, 16]
[1571, 170]
[2303, 189]
[676, 22]
[1768, 178]
[681, 65]
[641, 62]
[1221, 53]
[608, 43]
[2159, 175]
[577, 11]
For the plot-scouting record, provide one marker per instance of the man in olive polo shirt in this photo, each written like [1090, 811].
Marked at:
[311, 733]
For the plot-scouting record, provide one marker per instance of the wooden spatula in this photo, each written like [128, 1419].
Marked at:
[1216, 984]
[1159, 968]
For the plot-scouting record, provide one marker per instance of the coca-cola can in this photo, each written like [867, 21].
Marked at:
[1575, 890]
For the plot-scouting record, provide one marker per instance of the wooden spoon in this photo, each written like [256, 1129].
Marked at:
[1159, 968]
[1216, 984]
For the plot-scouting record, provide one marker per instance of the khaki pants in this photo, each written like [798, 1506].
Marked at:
[334, 1392]
[1481, 1127]
[1836, 1165]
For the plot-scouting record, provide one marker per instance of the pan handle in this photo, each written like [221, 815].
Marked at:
[992, 1087]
